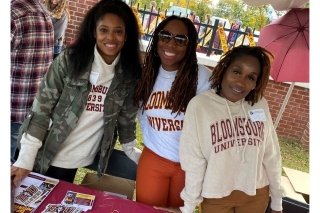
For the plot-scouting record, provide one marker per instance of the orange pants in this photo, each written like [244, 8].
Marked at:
[159, 181]
[238, 202]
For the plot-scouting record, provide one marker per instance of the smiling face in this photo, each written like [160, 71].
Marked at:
[110, 36]
[171, 54]
[240, 78]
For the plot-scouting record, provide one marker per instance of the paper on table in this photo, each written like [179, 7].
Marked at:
[79, 200]
[32, 191]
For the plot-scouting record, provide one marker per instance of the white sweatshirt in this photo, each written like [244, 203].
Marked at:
[162, 129]
[81, 146]
[228, 146]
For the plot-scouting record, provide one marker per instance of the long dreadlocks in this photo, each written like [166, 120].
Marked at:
[185, 84]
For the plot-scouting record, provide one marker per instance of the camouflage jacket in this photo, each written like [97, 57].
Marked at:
[61, 100]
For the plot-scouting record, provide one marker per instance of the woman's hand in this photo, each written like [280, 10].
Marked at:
[171, 210]
[131, 151]
[17, 175]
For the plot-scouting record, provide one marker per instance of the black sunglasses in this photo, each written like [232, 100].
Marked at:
[180, 40]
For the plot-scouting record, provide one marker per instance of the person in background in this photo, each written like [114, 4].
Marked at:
[243, 39]
[197, 19]
[150, 24]
[170, 78]
[207, 21]
[233, 35]
[192, 16]
[60, 17]
[217, 40]
[205, 34]
[31, 55]
[229, 148]
[86, 99]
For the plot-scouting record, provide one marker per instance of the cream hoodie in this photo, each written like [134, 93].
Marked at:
[228, 146]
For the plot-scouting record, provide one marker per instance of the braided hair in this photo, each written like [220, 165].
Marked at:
[264, 57]
[185, 84]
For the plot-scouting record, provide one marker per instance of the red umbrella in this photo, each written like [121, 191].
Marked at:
[287, 39]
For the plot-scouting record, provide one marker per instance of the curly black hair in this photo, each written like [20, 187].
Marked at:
[83, 47]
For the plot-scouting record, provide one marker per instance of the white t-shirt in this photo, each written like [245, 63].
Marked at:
[162, 129]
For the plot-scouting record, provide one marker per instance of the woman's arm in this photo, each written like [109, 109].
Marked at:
[37, 122]
[272, 164]
[126, 126]
[192, 160]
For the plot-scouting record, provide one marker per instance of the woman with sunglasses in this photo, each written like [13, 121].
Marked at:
[170, 78]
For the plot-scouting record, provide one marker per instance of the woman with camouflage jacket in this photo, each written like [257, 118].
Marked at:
[85, 99]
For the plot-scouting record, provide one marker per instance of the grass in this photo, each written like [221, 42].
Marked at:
[293, 155]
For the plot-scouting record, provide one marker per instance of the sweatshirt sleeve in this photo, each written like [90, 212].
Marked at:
[126, 123]
[272, 164]
[192, 161]
[28, 152]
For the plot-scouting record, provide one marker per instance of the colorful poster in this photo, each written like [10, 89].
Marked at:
[32, 191]
[79, 200]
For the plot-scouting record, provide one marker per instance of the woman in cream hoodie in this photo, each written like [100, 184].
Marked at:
[229, 148]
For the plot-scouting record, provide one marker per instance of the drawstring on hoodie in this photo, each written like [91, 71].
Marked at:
[247, 137]
[234, 130]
